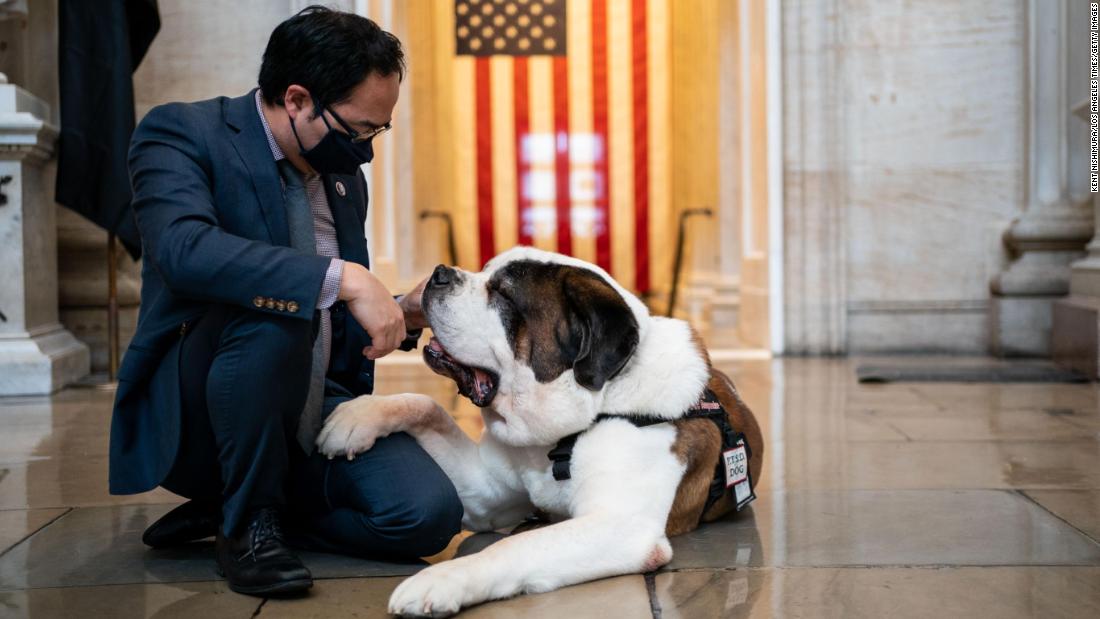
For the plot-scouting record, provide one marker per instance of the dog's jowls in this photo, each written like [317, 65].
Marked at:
[545, 343]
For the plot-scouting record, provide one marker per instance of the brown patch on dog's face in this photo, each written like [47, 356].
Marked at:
[559, 317]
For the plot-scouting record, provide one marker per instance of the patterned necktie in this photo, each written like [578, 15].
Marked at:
[300, 221]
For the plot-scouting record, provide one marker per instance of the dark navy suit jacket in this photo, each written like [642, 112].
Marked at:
[209, 205]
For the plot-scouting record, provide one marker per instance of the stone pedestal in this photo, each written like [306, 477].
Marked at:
[1075, 341]
[1075, 338]
[37, 354]
[1047, 239]
[1021, 325]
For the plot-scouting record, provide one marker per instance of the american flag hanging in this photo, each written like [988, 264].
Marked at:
[566, 99]
[511, 27]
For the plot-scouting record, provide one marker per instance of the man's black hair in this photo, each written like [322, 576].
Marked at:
[328, 53]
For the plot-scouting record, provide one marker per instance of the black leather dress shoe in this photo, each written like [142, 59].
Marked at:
[194, 520]
[258, 562]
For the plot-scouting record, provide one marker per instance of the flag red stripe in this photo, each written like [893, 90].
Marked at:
[641, 148]
[599, 128]
[561, 155]
[523, 167]
[484, 160]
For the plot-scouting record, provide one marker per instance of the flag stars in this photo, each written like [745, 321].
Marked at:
[509, 27]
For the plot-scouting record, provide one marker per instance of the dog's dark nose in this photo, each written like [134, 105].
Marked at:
[442, 276]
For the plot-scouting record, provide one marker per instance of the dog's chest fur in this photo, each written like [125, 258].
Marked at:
[610, 458]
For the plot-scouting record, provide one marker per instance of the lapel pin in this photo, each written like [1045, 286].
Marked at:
[340, 189]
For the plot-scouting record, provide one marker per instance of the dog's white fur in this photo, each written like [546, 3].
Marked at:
[609, 518]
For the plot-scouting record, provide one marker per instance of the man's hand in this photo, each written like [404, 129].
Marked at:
[411, 306]
[373, 308]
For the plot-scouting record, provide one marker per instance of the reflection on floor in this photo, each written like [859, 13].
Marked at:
[900, 500]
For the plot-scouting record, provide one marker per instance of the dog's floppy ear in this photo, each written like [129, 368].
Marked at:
[603, 332]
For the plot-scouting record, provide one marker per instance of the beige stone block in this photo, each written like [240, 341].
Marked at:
[164, 601]
[929, 330]
[16, 524]
[889, 26]
[1075, 334]
[929, 234]
[206, 48]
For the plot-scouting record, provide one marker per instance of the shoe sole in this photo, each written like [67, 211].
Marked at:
[289, 587]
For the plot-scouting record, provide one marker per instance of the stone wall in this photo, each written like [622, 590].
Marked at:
[904, 161]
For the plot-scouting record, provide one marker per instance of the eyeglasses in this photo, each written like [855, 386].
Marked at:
[356, 136]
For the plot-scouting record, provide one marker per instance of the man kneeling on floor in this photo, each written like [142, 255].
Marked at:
[259, 316]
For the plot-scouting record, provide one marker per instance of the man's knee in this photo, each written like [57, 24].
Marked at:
[259, 364]
[272, 349]
[425, 523]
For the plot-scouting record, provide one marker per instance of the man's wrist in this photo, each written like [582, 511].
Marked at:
[351, 281]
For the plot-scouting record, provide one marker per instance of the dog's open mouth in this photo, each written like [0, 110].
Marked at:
[478, 384]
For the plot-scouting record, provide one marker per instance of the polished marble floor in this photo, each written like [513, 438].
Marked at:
[895, 500]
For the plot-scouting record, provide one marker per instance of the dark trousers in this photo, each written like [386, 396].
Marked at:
[244, 380]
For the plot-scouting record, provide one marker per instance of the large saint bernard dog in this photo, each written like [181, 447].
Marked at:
[607, 420]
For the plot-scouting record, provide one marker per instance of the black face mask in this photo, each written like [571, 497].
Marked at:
[335, 153]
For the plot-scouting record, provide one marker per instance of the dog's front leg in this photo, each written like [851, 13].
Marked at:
[624, 482]
[488, 501]
[570, 552]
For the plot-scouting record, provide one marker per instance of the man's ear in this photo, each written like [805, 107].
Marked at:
[603, 330]
[297, 100]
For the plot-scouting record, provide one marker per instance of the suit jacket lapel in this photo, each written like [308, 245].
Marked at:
[253, 149]
[347, 199]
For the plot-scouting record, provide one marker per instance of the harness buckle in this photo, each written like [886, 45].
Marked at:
[560, 455]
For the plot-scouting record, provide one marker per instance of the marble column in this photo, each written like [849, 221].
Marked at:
[732, 125]
[1053, 230]
[816, 180]
[37, 354]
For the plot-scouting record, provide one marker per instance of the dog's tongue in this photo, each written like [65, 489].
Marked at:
[483, 383]
[482, 380]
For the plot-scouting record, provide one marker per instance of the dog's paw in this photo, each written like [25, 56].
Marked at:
[353, 427]
[437, 591]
